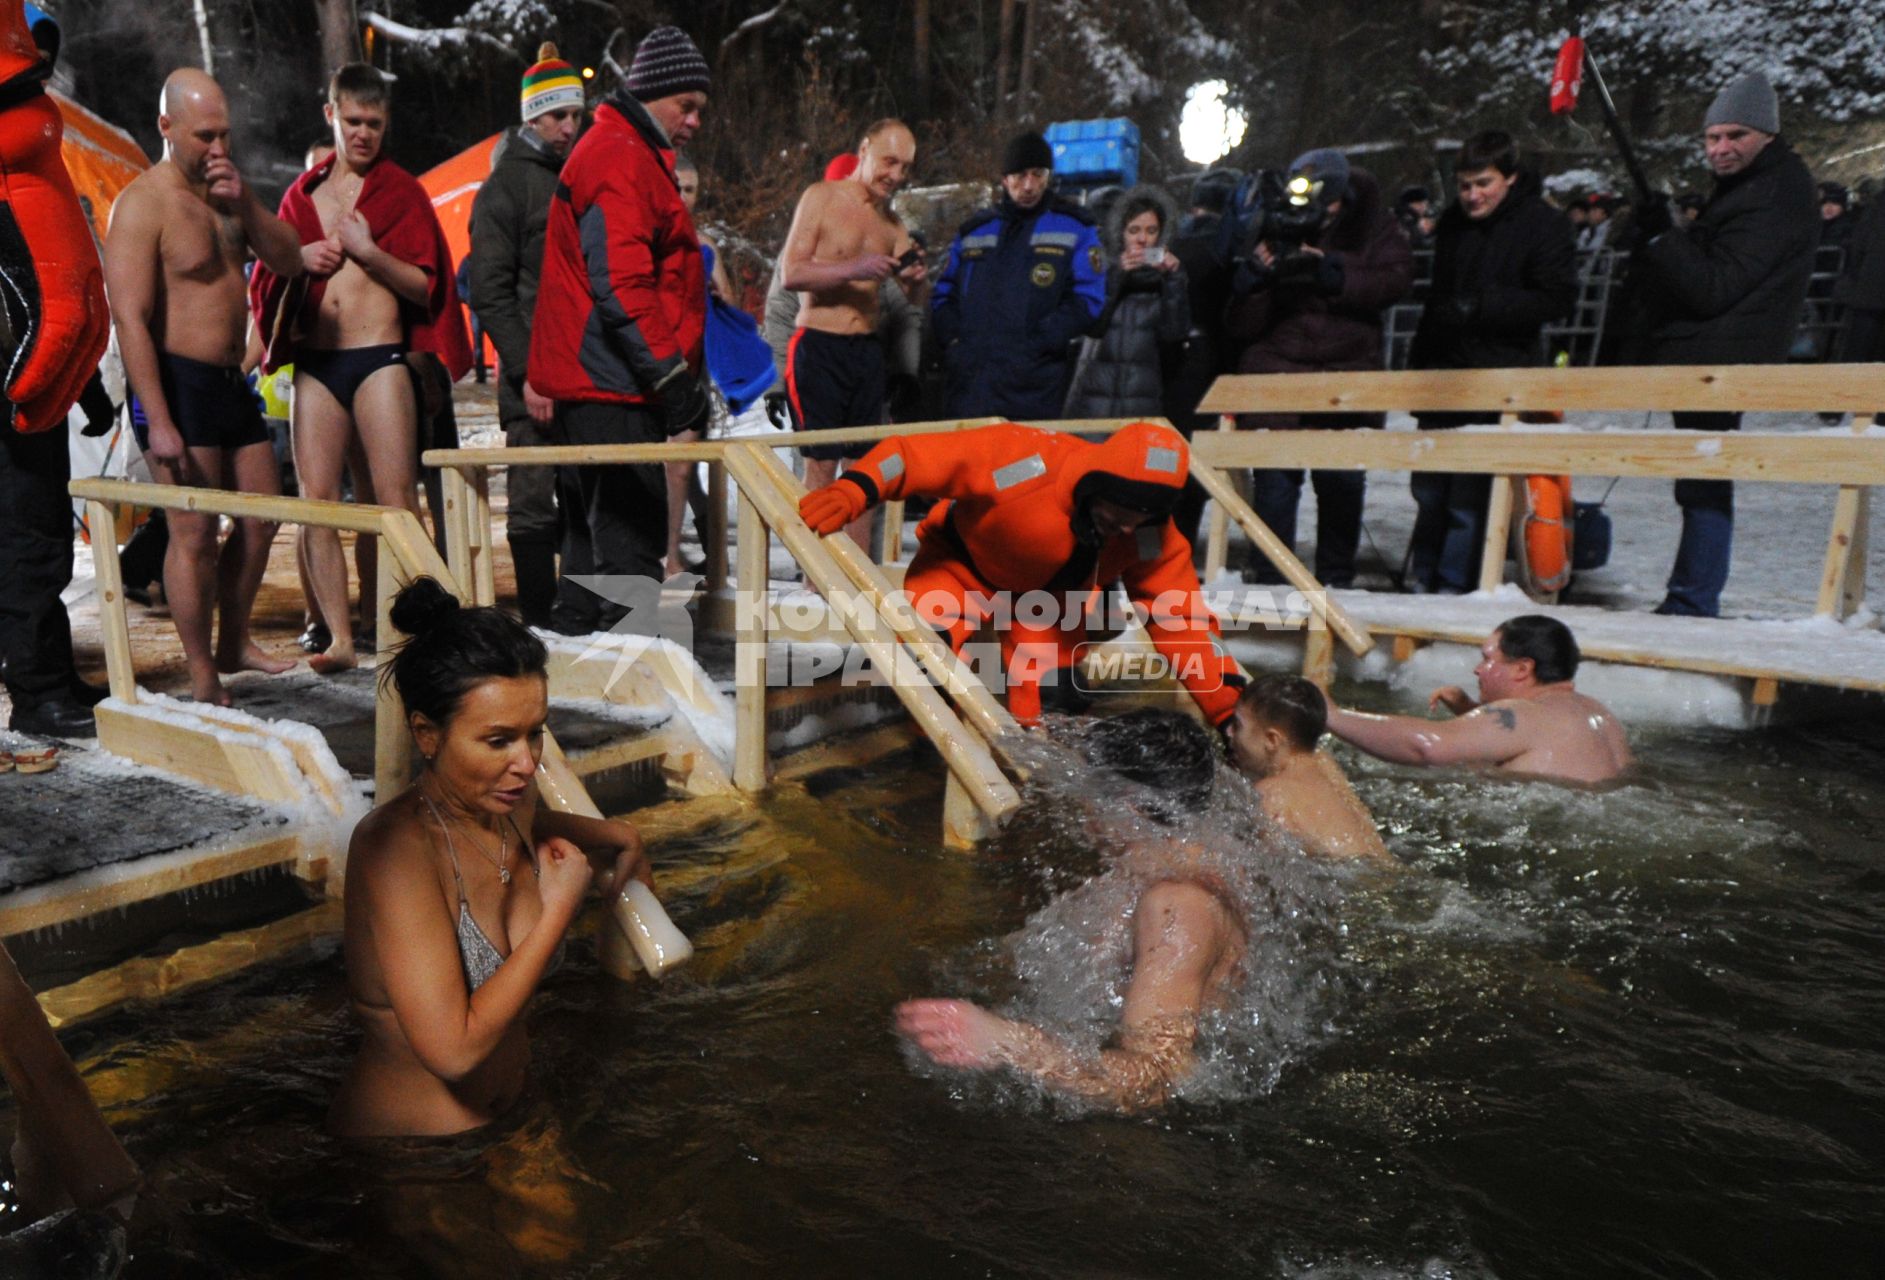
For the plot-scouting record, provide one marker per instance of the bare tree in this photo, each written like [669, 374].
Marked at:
[340, 32]
[1024, 92]
[919, 47]
[1004, 42]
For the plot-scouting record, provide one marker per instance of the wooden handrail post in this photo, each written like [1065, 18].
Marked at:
[457, 494]
[973, 700]
[1499, 503]
[749, 655]
[964, 753]
[392, 745]
[482, 582]
[715, 534]
[1217, 546]
[1350, 632]
[893, 532]
[108, 571]
[1842, 581]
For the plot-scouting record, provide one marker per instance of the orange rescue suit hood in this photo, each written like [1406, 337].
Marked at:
[1141, 467]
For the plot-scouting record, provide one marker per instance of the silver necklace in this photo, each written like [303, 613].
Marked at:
[501, 862]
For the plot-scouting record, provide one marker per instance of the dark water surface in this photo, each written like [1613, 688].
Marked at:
[1632, 1034]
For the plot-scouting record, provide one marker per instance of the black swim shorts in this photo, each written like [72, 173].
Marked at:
[213, 405]
[835, 380]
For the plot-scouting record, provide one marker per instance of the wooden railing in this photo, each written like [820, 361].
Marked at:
[968, 726]
[1853, 460]
[405, 553]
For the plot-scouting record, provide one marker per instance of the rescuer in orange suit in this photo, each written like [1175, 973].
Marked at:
[1023, 510]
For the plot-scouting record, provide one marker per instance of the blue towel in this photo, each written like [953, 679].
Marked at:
[738, 356]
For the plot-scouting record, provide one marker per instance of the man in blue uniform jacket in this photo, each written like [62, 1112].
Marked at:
[1025, 278]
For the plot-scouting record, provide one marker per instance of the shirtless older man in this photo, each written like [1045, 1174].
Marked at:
[846, 240]
[378, 284]
[1529, 719]
[174, 255]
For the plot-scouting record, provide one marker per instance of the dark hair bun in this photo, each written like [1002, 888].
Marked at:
[422, 605]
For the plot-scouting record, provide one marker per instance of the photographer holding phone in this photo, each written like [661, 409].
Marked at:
[1325, 263]
[1139, 339]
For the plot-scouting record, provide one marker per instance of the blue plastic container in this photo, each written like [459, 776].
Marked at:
[1093, 152]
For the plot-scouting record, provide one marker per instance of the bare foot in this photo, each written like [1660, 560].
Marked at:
[954, 1033]
[337, 659]
[209, 689]
[253, 658]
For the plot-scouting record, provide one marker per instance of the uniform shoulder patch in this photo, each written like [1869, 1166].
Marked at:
[1095, 260]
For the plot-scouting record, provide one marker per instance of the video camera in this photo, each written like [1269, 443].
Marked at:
[1294, 211]
[1272, 207]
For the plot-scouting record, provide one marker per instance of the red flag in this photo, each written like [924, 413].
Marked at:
[1568, 76]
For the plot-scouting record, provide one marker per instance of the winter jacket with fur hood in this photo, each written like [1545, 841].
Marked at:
[1141, 330]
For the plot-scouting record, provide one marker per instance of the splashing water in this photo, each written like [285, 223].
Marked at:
[1068, 968]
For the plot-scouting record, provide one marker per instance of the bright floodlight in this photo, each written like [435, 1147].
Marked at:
[1209, 127]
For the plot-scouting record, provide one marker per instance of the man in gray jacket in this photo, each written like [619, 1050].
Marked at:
[508, 223]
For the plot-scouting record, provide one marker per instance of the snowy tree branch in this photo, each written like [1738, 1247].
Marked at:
[436, 39]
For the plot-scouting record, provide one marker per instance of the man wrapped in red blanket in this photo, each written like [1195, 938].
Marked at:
[378, 293]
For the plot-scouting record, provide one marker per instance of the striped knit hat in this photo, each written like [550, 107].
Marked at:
[550, 83]
[666, 63]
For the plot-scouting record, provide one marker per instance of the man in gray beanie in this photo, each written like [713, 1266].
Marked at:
[1727, 290]
[617, 335]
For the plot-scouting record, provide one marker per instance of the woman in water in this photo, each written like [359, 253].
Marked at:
[460, 889]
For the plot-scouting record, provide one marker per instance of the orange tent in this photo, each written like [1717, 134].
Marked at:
[453, 186]
[101, 157]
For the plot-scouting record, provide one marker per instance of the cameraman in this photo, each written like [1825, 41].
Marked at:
[1329, 259]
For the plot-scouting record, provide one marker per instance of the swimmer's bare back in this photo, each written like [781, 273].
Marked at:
[1312, 800]
[1565, 736]
[1188, 946]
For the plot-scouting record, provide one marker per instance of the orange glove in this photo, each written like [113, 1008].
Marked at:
[53, 284]
[829, 509]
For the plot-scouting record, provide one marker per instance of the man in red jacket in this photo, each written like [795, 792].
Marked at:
[1044, 521]
[616, 340]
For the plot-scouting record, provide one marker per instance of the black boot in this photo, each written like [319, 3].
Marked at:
[55, 717]
[534, 560]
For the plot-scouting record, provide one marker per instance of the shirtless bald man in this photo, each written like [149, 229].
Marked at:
[1272, 737]
[179, 237]
[1529, 719]
[846, 240]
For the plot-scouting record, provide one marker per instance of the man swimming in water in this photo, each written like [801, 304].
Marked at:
[1529, 719]
[1187, 941]
[1272, 737]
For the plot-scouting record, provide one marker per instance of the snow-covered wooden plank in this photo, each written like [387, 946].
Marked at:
[1836, 457]
[1850, 388]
